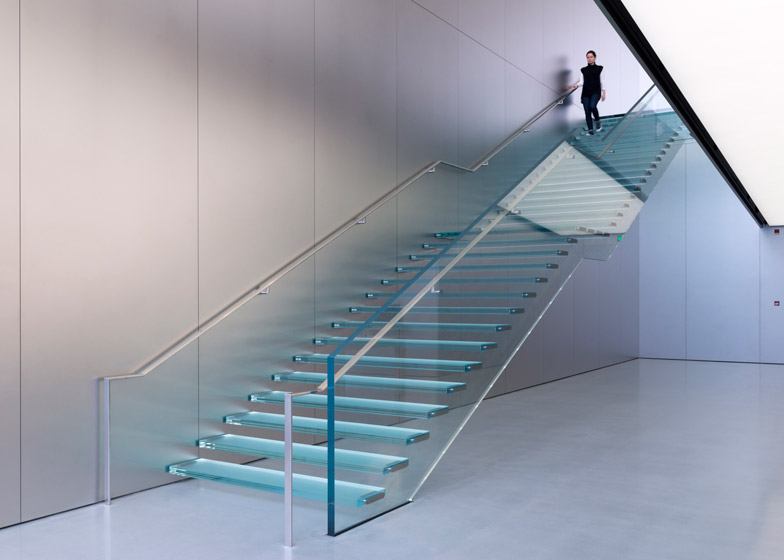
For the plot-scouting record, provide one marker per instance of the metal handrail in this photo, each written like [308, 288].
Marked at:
[265, 284]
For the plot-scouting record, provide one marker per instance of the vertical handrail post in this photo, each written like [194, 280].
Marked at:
[107, 442]
[331, 445]
[288, 475]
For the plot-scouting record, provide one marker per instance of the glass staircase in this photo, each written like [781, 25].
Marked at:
[386, 381]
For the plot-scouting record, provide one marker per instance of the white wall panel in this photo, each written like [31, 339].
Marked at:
[557, 327]
[427, 122]
[256, 178]
[355, 107]
[427, 100]
[447, 10]
[663, 266]
[587, 315]
[481, 124]
[481, 94]
[9, 264]
[771, 291]
[722, 268]
[709, 276]
[559, 68]
[524, 36]
[526, 368]
[484, 23]
[108, 219]
[525, 97]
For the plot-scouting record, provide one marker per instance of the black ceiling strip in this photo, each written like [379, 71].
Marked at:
[626, 27]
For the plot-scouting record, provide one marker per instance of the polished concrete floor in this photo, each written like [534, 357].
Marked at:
[650, 459]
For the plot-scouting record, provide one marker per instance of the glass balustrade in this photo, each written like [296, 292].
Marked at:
[408, 318]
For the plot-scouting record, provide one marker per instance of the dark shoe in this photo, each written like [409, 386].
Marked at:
[598, 126]
[590, 132]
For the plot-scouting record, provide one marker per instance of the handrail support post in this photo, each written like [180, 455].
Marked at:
[288, 475]
[107, 442]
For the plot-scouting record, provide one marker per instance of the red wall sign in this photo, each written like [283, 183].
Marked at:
[776, 231]
[776, 303]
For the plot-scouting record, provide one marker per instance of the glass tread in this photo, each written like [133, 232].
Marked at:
[502, 266]
[354, 404]
[461, 295]
[415, 326]
[303, 486]
[318, 426]
[496, 254]
[506, 242]
[368, 382]
[479, 280]
[409, 343]
[443, 310]
[403, 363]
[308, 454]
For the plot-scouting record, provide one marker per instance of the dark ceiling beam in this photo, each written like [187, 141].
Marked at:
[630, 32]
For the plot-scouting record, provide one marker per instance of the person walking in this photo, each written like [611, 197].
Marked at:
[592, 91]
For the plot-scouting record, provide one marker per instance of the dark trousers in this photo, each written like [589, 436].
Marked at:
[590, 106]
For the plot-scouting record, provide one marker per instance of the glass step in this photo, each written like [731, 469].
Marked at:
[639, 132]
[578, 197]
[606, 180]
[409, 343]
[561, 223]
[303, 486]
[354, 404]
[442, 310]
[460, 295]
[403, 363]
[414, 326]
[502, 266]
[307, 454]
[368, 382]
[581, 191]
[506, 242]
[556, 183]
[510, 280]
[639, 138]
[628, 158]
[496, 255]
[533, 230]
[318, 426]
[515, 225]
[643, 140]
[595, 171]
[621, 147]
[590, 167]
[565, 205]
[602, 213]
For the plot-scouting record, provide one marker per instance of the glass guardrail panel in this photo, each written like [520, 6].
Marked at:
[154, 420]
[489, 284]
[503, 269]
[441, 357]
[157, 419]
[504, 170]
[454, 333]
